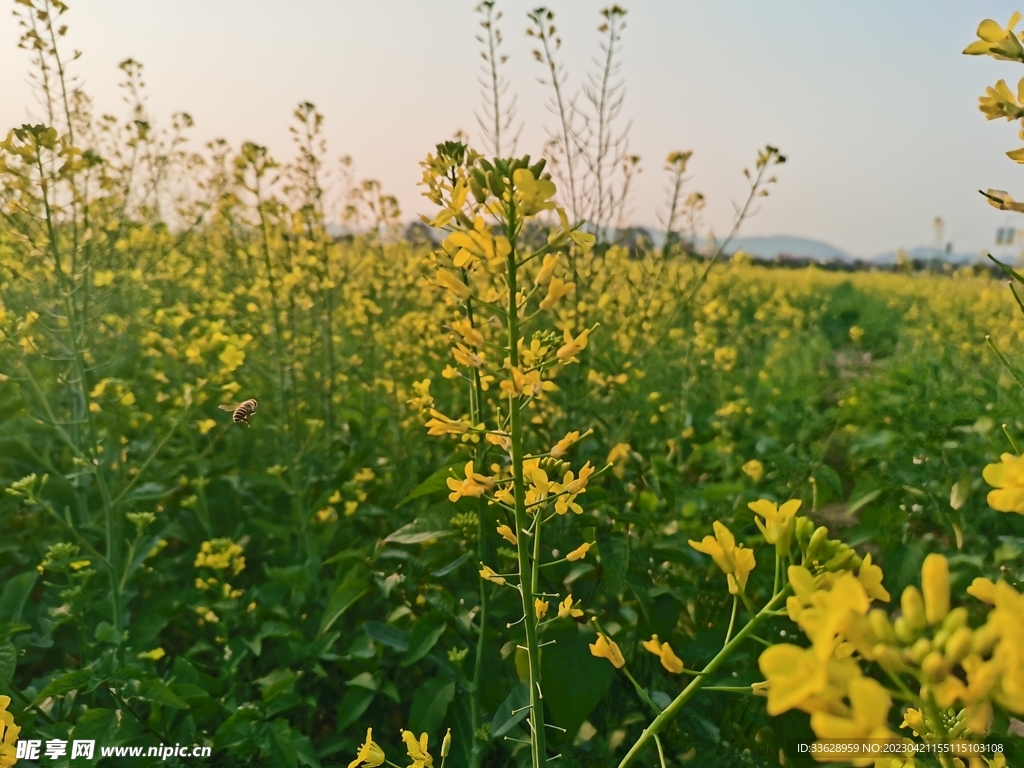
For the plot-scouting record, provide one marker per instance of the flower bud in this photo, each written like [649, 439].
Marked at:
[919, 650]
[446, 745]
[984, 639]
[935, 585]
[913, 608]
[816, 546]
[958, 645]
[903, 631]
[957, 618]
[804, 530]
[889, 658]
[934, 667]
[842, 560]
[881, 626]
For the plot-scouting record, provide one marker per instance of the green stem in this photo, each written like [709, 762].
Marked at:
[527, 571]
[690, 691]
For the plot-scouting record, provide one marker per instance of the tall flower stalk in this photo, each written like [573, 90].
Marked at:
[486, 271]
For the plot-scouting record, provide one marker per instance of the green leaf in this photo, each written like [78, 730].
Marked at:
[8, 662]
[305, 751]
[430, 705]
[105, 633]
[70, 681]
[156, 691]
[425, 633]
[345, 596]
[511, 712]
[614, 549]
[437, 481]
[387, 634]
[282, 734]
[574, 680]
[353, 704]
[15, 595]
[453, 564]
[419, 530]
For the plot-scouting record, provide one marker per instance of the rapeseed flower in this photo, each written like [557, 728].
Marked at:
[607, 649]
[1007, 477]
[779, 523]
[417, 750]
[996, 41]
[579, 553]
[369, 753]
[664, 651]
[566, 609]
[736, 562]
[8, 734]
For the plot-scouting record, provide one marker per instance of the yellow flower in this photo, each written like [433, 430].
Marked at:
[557, 289]
[996, 41]
[453, 284]
[540, 607]
[935, 586]
[1008, 478]
[566, 609]
[778, 523]
[417, 750]
[868, 718]
[442, 425]
[669, 660]
[754, 469]
[206, 425]
[736, 562]
[128, 399]
[547, 268]
[232, 357]
[507, 535]
[856, 333]
[8, 734]
[486, 572]
[607, 649]
[619, 452]
[793, 675]
[475, 485]
[573, 346]
[369, 753]
[914, 720]
[579, 553]
[532, 195]
[155, 655]
[983, 589]
[870, 577]
[562, 446]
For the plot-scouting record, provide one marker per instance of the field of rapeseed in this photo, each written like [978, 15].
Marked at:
[514, 496]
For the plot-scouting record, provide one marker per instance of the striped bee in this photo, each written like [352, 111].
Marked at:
[242, 411]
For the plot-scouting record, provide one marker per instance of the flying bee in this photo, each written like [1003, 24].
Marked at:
[241, 412]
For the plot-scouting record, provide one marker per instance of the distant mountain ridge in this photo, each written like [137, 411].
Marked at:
[772, 246]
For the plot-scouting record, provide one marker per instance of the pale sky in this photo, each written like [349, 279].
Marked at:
[871, 101]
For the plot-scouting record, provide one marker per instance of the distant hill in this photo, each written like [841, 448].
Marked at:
[926, 253]
[770, 246]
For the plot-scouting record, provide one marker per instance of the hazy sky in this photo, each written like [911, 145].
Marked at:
[872, 102]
